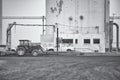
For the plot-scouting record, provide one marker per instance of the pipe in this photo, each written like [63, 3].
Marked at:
[117, 35]
[8, 36]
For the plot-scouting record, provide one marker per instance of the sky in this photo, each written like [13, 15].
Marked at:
[23, 7]
[33, 8]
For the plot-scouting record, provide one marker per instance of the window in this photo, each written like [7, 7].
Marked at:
[67, 41]
[86, 41]
[21, 43]
[96, 41]
[76, 41]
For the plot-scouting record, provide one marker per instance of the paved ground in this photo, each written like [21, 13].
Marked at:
[60, 68]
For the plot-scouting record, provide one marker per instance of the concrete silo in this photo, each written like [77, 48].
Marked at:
[84, 22]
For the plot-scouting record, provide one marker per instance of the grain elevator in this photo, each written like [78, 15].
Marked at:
[82, 24]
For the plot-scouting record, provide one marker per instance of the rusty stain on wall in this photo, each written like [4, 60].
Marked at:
[58, 8]
[53, 9]
[59, 5]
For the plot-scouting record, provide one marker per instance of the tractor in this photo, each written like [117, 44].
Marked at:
[26, 47]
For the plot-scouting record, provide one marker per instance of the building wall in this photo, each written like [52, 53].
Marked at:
[61, 11]
[0, 21]
[83, 17]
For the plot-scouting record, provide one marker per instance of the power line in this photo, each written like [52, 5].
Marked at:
[75, 26]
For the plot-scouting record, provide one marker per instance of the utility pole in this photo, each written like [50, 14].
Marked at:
[57, 40]
[43, 23]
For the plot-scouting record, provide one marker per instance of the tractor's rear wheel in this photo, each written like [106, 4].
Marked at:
[35, 52]
[21, 51]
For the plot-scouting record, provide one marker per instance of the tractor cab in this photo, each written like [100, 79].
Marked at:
[24, 42]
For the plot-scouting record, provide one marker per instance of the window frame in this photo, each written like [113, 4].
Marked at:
[96, 42]
[87, 42]
[64, 41]
[76, 41]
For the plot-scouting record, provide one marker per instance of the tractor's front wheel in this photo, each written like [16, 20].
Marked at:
[21, 51]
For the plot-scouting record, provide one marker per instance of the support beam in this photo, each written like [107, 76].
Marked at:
[0, 22]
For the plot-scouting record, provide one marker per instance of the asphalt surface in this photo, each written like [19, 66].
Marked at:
[60, 68]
